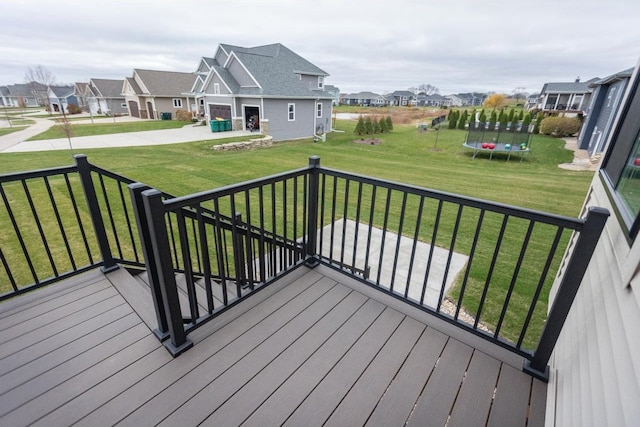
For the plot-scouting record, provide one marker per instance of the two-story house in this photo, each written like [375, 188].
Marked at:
[267, 87]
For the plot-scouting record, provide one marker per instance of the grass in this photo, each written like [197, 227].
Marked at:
[57, 131]
[404, 155]
[6, 131]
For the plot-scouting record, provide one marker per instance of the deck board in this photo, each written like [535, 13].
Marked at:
[311, 349]
[396, 405]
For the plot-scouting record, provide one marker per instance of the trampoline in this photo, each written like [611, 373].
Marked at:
[509, 139]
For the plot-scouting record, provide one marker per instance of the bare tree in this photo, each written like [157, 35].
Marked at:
[38, 79]
[428, 89]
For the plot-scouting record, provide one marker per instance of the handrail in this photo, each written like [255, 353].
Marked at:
[230, 242]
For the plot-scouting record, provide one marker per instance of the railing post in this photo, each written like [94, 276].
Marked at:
[238, 251]
[567, 290]
[312, 223]
[135, 191]
[159, 240]
[84, 171]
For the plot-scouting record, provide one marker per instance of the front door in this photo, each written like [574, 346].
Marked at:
[150, 110]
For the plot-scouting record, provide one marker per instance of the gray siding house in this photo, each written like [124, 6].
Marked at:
[104, 96]
[268, 88]
[595, 367]
[605, 102]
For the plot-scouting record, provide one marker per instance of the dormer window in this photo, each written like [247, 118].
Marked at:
[320, 82]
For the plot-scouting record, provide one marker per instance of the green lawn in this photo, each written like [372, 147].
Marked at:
[107, 128]
[6, 131]
[404, 155]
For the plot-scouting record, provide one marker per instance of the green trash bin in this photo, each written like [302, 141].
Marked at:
[165, 116]
[227, 125]
[215, 125]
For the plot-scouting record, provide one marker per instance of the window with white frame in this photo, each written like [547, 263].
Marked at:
[216, 88]
[319, 110]
[177, 103]
[320, 82]
[291, 108]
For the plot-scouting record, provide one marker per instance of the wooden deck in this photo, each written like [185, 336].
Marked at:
[314, 348]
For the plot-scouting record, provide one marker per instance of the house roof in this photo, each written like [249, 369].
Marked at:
[407, 93]
[106, 88]
[331, 88]
[4, 90]
[62, 91]
[80, 88]
[277, 70]
[165, 83]
[25, 89]
[436, 96]
[625, 74]
[568, 87]
[362, 95]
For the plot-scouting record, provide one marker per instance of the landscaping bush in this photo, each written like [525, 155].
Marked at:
[74, 109]
[183, 115]
[560, 126]
[360, 126]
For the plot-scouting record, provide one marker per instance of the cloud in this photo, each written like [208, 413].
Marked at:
[378, 46]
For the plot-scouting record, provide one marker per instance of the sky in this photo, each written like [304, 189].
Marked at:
[379, 46]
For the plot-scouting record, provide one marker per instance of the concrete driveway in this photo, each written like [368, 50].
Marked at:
[16, 142]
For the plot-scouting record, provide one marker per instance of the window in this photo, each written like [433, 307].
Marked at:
[216, 88]
[177, 103]
[320, 82]
[123, 105]
[621, 166]
[292, 112]
[319, 110]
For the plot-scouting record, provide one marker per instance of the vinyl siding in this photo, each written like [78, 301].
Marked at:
[280, 128]
[596, 362]
[240, 74]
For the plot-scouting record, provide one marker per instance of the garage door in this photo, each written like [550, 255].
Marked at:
[218, 110]
[133, 108]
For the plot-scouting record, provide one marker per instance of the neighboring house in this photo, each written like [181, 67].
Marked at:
[532, 102]
[148, 93]
[595, 367]
[334, 92]
[363, 99]
[80, 90]
[454, 101]
[104, 96]
[403, 97]
[472, 99]
[435, 100]
[23, 95]
[60, 97]
[566, 97]
[4, 93]
[605, 101]
[384, 101]
[270, 87]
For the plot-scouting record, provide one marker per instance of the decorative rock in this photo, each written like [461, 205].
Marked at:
[267, 141]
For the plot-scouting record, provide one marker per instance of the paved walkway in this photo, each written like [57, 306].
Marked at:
[581, 159]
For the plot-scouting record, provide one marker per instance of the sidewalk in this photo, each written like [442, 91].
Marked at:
[581, 159]
[188, 133]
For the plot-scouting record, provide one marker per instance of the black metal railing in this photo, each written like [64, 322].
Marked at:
[63, 221]
[225, 244]
[483, 266]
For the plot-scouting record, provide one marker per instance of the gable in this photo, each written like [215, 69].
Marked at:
[240, 73]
